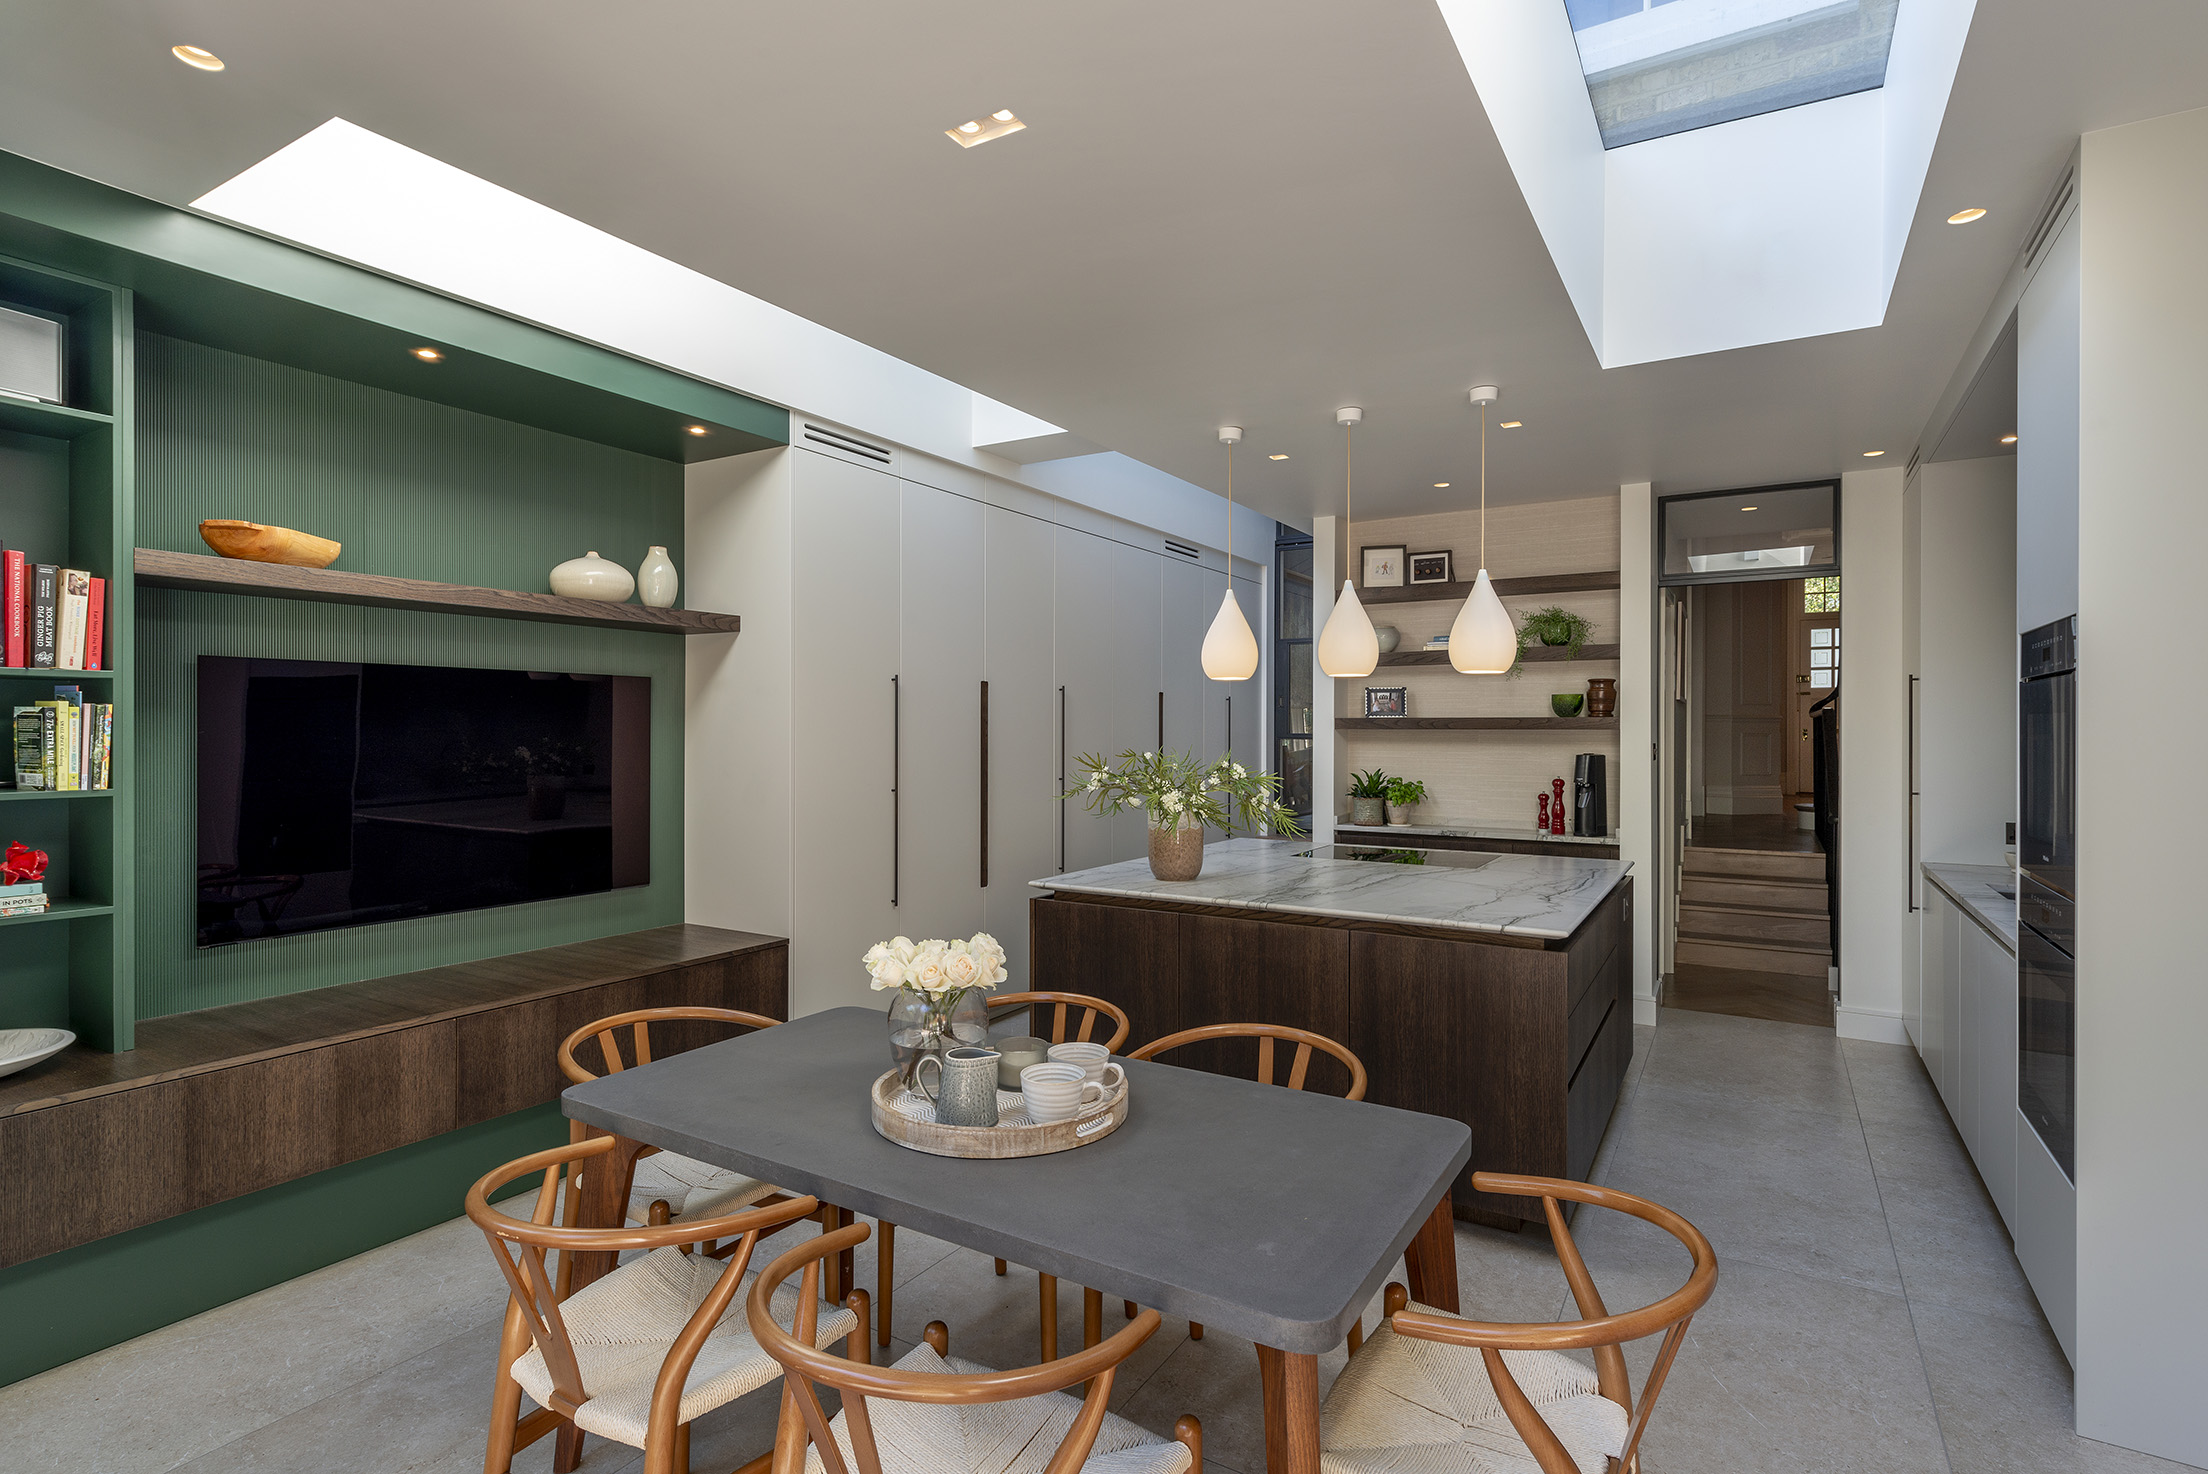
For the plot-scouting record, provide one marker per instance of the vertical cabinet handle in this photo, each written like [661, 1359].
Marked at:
[1161, 721]
[1909, 876]
[985, 785]
[896, 762]
[1230, 728]
[1061, 780]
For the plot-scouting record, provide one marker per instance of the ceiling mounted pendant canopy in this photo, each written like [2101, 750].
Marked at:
[1230, 650]
[1348, 646]
[1483, 641]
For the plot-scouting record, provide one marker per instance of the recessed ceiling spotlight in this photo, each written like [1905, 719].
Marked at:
[1869, 453]
[699, 430]
[426, 355]
[1511, 425]
[197, 56]
[980, 131]
[1747, 509]
[1276, 458]
[1964, 217]
[1438, 485]
[2008, 440]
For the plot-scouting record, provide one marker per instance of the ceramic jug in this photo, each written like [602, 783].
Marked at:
[965, 1092]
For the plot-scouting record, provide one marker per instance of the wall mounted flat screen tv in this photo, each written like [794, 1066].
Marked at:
[335, 795]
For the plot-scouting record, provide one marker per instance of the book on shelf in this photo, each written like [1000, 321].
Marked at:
[95, 627]
[13, 591]
[75, 594]
[44, 596]
[25, 888]
[29, 736]
[27, 906]
[70, 758]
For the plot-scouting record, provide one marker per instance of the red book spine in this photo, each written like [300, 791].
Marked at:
[95, 626]
[11, 605]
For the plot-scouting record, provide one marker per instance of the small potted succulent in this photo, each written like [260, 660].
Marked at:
[1368, 793]
[1404, 797]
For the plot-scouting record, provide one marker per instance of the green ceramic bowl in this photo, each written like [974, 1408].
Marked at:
[1568, 706]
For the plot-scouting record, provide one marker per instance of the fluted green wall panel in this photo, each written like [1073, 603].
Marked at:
[413, 489]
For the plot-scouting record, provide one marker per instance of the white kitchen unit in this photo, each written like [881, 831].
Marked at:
[927, 650]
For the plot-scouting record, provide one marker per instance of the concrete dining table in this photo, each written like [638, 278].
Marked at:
[1269, 1213]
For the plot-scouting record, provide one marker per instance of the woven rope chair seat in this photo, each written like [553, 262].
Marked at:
[1017, 1437]
[1406, 1406]
[692, 1189]
[623, 1325]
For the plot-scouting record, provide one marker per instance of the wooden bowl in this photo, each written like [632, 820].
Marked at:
[257, 543]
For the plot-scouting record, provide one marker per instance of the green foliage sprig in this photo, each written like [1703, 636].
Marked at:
[1372, 783]
[1179, 792]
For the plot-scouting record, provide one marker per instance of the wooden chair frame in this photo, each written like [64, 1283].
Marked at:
[1298, 1068]
[1601, 1331]
[533, 1308]
[805, 1422]
[1091, 1009]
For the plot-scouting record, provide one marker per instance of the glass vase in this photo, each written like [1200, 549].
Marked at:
[921, 1024]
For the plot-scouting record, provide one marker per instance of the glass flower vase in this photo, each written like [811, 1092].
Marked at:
[921, 1024]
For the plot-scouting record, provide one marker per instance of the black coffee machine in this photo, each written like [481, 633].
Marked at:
[1590, 795]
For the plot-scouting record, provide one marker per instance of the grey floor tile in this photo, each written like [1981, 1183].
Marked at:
[1790, 1066]
[1890, 1082]
[1948, 1236]
[1216, 1380]
[2003, 1392]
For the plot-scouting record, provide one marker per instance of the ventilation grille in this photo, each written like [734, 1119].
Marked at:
[837, 440]
[2058, 204]
[1182, 548]
[1915, 456]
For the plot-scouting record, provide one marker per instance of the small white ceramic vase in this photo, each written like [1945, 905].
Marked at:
[592, 577]
[656, 579]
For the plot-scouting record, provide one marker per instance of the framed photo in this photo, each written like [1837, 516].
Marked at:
[1430, 567]
[1385, 701]
[1383, 568]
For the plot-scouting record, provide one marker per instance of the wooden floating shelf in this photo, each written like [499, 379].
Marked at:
[203, 574]
[1536, 654]
[1474, 724]
[1543, 583]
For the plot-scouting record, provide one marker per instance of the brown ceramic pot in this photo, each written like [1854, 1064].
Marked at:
[1602, 697]
[1176, 854]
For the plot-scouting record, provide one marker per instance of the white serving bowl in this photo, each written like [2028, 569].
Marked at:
[22, 1048]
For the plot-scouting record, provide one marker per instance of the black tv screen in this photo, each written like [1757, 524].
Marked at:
[338, 795]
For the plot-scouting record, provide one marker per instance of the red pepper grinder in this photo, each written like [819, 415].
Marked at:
[1556, 809]
[1541, 825]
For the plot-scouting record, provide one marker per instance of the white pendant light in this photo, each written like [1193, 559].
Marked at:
[1230, 650]
[1483, 641]
[1348, 646]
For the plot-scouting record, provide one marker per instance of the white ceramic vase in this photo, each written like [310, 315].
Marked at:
[656, 579]
[592, 577]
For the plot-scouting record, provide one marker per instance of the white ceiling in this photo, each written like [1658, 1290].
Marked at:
[1222, 213]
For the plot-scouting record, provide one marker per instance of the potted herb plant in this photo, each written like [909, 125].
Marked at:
[1404, 797]
[1182, 796]
[1554, 626]
[1368, 792]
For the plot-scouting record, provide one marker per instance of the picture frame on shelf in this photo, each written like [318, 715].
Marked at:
[1430, 567]
[1386, 701]
[1382, 567]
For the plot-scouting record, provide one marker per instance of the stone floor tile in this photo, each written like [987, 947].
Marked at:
[1791, 1066]
[1890, 1082]
[1948, 1237]
[1216, 1379]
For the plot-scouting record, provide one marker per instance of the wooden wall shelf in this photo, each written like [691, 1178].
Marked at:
[204, 574]
[1474, 724]
[1533, 655]
[1543, 583]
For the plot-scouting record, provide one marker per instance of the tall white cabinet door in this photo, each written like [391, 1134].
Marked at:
[1940, 1001]
[1992, 973]
[1088, 660]
[1140, 575]
[844, 606]
[939, 842]
[1245, 700]
[1185, 616]
[1018, 661]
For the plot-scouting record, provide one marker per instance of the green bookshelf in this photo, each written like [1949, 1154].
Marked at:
[65, 498]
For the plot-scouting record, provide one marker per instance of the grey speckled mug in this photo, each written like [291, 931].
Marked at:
[965, 1091]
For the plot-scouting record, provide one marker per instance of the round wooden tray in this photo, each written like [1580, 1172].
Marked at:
[1013, 1135]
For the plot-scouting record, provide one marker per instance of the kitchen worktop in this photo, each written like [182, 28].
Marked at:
[1976, 888]
[1378, 833]
[1545, 896]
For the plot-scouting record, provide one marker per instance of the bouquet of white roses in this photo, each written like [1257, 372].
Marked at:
[1181, 793]
[936, 969]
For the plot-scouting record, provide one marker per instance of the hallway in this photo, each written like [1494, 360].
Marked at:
[1869, 1317]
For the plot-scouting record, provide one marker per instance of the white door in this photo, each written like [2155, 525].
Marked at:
[845, 608]
[1088, 631]
[1018, 662]
[939, 831]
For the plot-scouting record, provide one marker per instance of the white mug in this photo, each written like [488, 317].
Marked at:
[1092, 1058]
[1059, 1092]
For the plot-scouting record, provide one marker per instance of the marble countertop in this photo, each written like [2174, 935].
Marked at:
[1972, 888]
[1544, 896]
[1469, 830]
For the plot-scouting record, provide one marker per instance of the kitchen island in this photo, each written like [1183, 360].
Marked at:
[1492, 988]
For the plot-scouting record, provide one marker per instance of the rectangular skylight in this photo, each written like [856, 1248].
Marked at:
[1657, 67]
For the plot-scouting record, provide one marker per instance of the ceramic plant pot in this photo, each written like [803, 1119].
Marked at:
[1402, 814]
[1566, 704]
[1602, 696]
[592, 577]
[656, 580]
[1176, 854]
[1366, 810]
[256, 543]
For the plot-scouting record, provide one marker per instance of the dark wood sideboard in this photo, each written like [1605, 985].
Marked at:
[1526, 1042]
[226, 1101]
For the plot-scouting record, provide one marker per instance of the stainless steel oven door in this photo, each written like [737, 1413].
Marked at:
[2046, 1033]
[2046, 832]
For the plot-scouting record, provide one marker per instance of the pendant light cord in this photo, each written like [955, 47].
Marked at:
[1483, 487]
[1349, 448]
[1230, 516]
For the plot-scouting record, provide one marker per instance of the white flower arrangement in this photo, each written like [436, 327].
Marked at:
[1182, 793]
[937, 969]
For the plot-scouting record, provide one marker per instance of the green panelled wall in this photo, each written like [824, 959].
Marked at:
[412, 489]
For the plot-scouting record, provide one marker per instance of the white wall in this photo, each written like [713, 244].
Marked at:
[1637, 715]
[1329, 778]
[1966, 692]
[2142, 985]
[1874, 758]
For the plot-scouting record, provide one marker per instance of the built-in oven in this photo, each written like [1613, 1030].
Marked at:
[2047, 1018]
[2047, 755]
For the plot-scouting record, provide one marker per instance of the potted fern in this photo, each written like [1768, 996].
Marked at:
[1555, 626]
[1368, 792]
[1404, 797]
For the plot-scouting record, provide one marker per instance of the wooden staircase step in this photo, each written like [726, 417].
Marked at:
[1790, 958]
[1779, 864]
[1727, 890]
[1756, 924]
